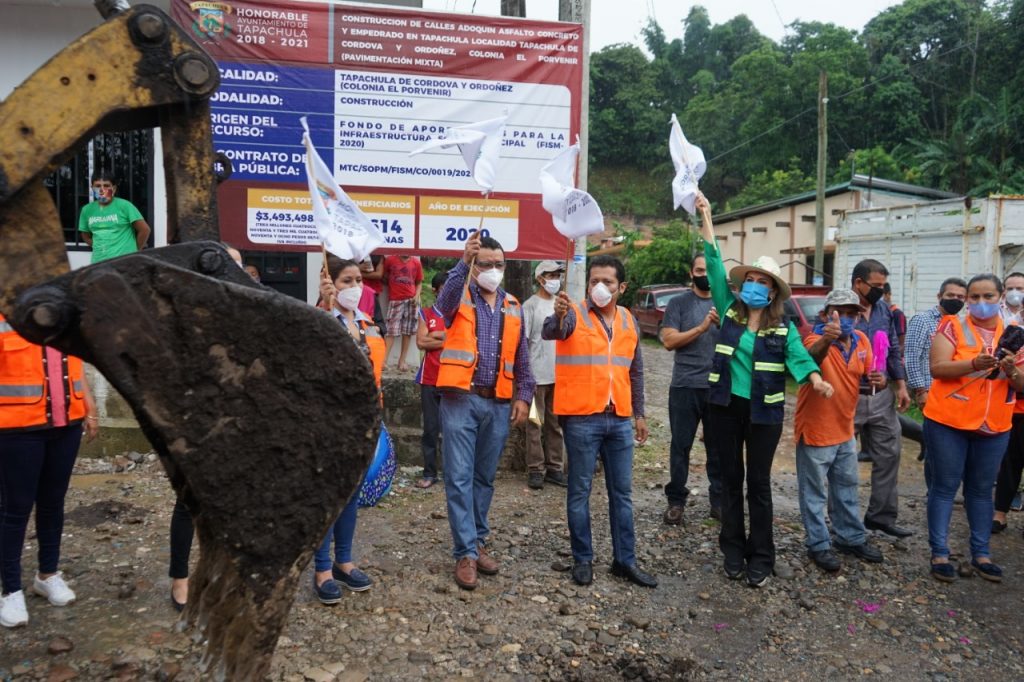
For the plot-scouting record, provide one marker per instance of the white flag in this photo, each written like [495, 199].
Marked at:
[343, 227]
[479, 143]
[690, 167]
[574, 212]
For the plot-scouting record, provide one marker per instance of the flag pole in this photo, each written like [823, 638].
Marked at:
[327, 271]
[479, 227]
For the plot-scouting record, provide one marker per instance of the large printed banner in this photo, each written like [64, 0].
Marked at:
[376, 83]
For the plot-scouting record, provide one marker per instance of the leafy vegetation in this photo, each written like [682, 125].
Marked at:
[927, 92]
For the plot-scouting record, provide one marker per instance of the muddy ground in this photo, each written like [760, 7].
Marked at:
[531, 622]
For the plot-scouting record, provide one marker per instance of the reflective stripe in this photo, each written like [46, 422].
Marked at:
[724, 349]
[769, 367]
[513, 311]
[621, 361]
[779, 331]
[5, 327]
[714, 377]
[509, 367]
[625, 317]
[372, 330]
[452, 354]
[20, 391]
[969, 339]
[77, 386]
[774, 398]
[586, 316]
[732, 314]
[578, 360]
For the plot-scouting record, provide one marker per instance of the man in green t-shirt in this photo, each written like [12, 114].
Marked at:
[110, 225]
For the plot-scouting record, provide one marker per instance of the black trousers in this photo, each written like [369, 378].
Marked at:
[688, 407]
[430, 402]
[1013, 464]
[181, 540]
[745, 450]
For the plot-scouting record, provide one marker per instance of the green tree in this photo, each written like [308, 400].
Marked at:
[666, 259]
[771, 185]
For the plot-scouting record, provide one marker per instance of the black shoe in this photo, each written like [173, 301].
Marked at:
[888, 529]
[863, 551]
[634, 575]
[535, 480]
[757, 579]
[998, 526]
[826, 560]
[556, 477]
[716, 513]
[734, 572]
[863, 456]
[179, 606]
[583, 572]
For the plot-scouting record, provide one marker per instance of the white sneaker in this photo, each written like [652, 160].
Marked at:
[54, 589]
[12, 610]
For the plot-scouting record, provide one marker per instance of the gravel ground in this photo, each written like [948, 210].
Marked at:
[531, 621]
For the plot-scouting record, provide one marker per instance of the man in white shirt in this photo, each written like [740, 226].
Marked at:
[543, 459]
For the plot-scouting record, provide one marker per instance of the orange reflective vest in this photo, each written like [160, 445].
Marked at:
[375, 342]
[25, 388]
[591, 371]
[459, 356]
[962, 404]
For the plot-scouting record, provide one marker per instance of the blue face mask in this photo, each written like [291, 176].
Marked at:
[846, 325]
[982, 310]
[755, 295]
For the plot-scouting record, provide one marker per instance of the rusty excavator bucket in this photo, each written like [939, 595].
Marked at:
[264, 413]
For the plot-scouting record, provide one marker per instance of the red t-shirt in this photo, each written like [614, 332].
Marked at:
[432, 359]
[403, 277]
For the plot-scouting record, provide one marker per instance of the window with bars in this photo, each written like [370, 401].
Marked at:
[128, 155]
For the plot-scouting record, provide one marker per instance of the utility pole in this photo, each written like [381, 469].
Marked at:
[578, 11]
[819, 209]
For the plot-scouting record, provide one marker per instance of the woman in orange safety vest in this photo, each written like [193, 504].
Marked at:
[345, 287]
[967, 423]
[45, 405]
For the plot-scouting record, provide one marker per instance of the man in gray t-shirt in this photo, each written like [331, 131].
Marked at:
[690, 328]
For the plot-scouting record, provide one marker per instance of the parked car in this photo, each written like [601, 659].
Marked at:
[649, 308]
[804, 305]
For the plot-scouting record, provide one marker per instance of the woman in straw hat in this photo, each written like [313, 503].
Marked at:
[756, 346]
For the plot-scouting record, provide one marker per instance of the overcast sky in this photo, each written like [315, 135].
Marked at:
[620, 21]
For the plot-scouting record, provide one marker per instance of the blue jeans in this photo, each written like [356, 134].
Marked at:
[961, 456]
[475, 431]
[611, 437]
[343, 530]
[836, 464]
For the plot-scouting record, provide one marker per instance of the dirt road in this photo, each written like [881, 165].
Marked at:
[531, 621]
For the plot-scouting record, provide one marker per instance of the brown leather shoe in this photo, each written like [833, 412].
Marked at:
[485, 563]
[465, 573]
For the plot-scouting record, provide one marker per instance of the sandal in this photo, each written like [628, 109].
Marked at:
[425, 483]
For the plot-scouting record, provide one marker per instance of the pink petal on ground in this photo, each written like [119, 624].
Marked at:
[951, 614]
[964, 640]
[851, 628]
[720, 626]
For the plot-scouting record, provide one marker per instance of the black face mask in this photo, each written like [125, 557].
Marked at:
[951, 306]
[701, 282]
[874, 294]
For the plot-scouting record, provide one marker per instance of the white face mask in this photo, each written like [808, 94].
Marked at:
[1014, 297]
[552, 286]
[600, 295]
[490, 279]
[349, 298]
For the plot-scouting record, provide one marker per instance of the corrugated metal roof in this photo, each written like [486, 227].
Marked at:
[857, 182]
